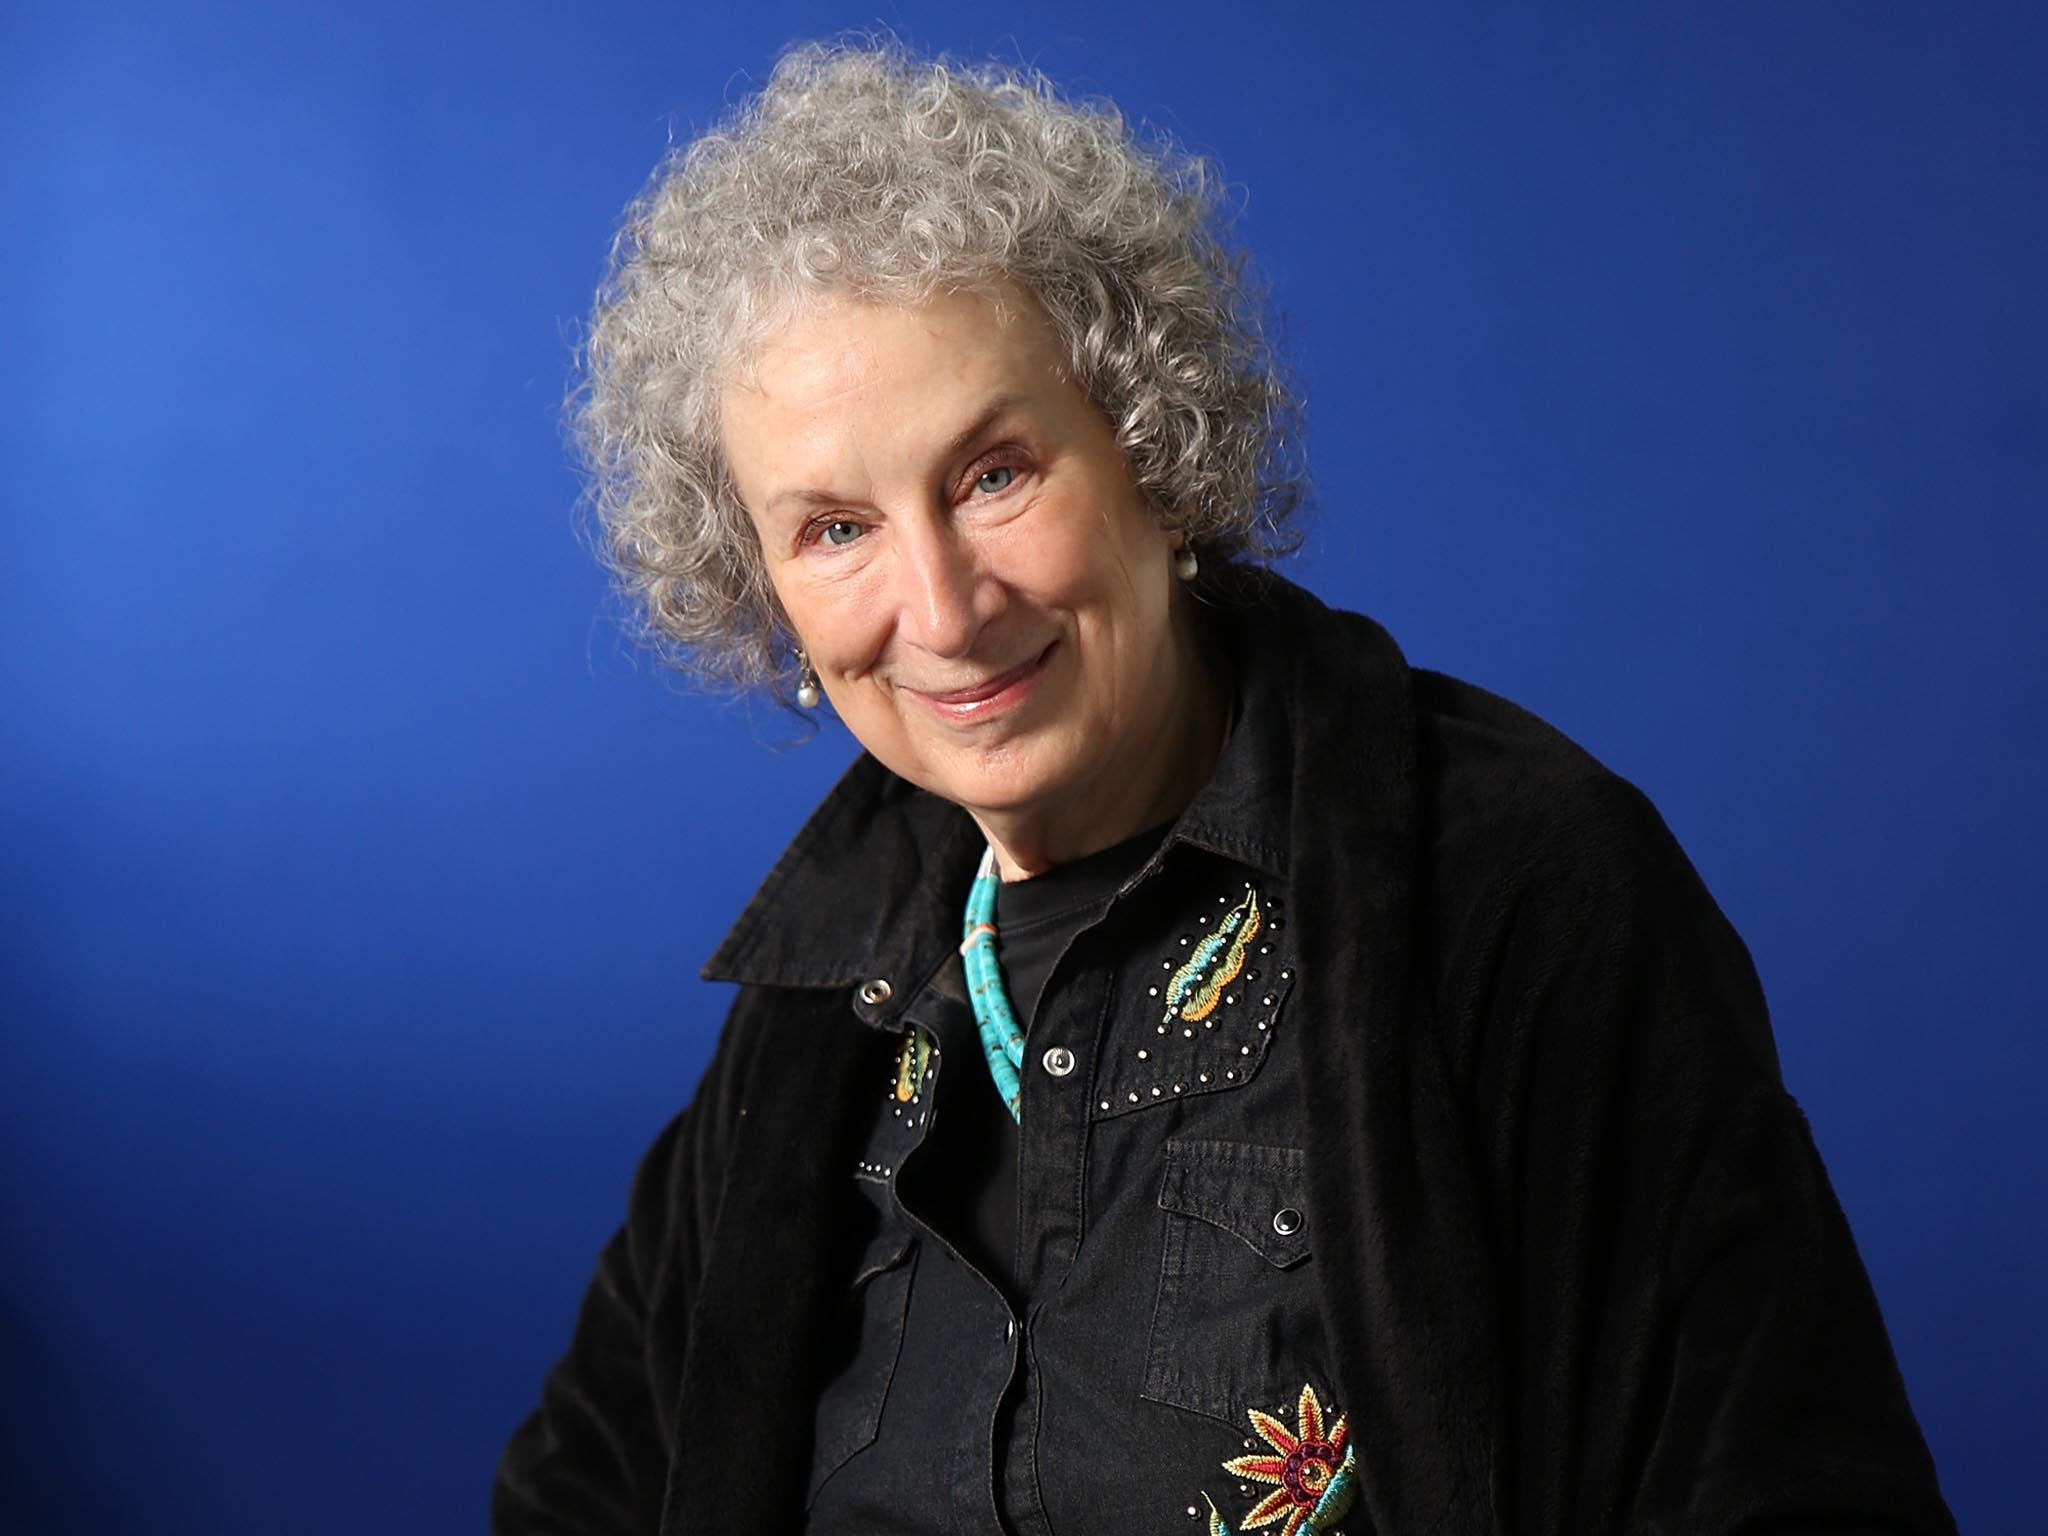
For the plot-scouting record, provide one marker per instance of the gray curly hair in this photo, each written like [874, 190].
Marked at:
[860, 169]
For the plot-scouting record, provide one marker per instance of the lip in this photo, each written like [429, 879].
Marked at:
[994, 696]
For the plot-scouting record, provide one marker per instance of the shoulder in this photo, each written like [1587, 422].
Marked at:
[1513, 863]
[1499, 790]
[1477, 785]
[1561, 912]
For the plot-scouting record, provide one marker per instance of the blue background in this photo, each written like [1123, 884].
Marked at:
[1681, 379]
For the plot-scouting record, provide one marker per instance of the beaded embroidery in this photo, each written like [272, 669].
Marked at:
[1312, 1471]
[1217, 961]
[917, 1060]
[911, 1062]
[1215, 1006]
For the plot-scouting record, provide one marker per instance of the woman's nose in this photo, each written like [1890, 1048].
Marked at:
[947, 595]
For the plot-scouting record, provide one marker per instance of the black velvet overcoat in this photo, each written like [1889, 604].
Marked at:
[1581, 1268]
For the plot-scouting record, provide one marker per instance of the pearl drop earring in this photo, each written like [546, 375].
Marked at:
[806, 682]
[1185, 565]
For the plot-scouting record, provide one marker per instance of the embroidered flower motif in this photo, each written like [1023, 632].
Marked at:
[1309, 1467]
[1217, 961]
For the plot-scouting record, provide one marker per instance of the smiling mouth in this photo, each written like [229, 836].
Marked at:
[995, 693]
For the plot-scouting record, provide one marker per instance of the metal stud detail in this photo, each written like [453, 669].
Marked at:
[875, 991]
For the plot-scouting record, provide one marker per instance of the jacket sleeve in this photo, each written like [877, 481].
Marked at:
[592, 1459]
[1695, 1346]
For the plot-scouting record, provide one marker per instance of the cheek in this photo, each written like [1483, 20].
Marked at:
[1128, 574]
[836, 617]
[1075, 557]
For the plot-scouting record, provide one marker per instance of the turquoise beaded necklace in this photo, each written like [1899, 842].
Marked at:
[1002, 1042]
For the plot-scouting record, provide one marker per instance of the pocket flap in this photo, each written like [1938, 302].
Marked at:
[1256, 1194]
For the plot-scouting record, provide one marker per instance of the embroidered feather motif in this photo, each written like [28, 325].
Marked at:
[1198, 986]
[911, 1062]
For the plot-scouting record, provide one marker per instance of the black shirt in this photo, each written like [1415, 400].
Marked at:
[965, 1176]
[1095, 1303]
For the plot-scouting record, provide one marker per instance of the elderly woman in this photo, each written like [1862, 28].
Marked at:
[1195, 1072]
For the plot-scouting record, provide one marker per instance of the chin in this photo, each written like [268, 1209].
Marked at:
[1006, 794]
[1007, 781]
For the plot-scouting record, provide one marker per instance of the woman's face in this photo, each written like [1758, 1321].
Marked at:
[956, 541]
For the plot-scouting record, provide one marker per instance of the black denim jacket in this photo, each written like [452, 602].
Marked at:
[1578, 1265]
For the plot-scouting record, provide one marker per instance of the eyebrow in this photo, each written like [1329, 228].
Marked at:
[956, 445]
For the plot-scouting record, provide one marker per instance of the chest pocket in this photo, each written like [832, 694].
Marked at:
[1235, 1324]
[871, 1337]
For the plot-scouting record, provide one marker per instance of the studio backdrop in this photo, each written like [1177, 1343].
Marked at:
[1674, 371]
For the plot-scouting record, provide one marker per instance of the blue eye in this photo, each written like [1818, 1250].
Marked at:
[842, 532]
[994, 480]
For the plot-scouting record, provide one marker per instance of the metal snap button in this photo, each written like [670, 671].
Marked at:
[1059, 1061]
[1287, 1221]
[876, 991]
